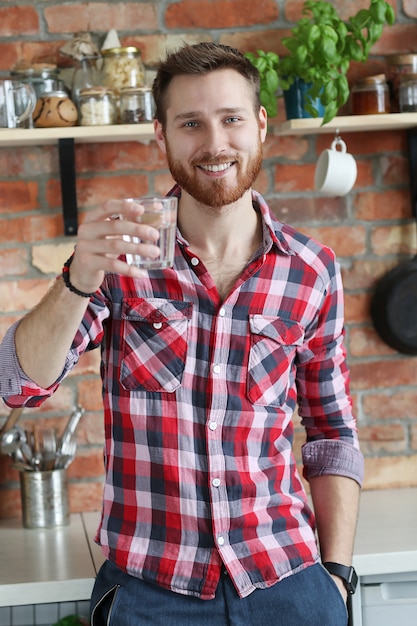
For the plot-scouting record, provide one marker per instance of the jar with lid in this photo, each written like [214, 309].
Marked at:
[54, 109]
[97, 106]
[122, 67]
[136, 105]
[398, 65]
[408, 93]
[42, 76]
[370, 96]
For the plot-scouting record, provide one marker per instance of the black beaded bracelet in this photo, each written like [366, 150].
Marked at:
[66, 279]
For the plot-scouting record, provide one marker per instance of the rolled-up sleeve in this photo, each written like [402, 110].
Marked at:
[332, 457]
[17, 389]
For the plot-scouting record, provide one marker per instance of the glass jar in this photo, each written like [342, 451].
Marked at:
[370, 96]
[122, 67]
[408, 93]
[397, 66]
[55, 109]
[42, 77]
[85, 75]
[136, 105]
[97, 106]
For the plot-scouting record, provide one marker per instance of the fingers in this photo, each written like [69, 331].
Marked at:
[106, 234]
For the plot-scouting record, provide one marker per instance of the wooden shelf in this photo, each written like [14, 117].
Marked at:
[142, 133]
[65, 138]
[348, 123]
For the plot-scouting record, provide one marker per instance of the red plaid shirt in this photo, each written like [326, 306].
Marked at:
[199, 396]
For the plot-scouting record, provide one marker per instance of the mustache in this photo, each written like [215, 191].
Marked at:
[208, 160]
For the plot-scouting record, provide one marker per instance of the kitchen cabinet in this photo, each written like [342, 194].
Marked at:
[65, 138]
[59, 564]
[385, 557]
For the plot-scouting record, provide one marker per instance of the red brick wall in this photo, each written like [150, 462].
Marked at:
[371, 229]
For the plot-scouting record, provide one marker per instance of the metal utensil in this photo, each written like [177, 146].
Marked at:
[11, 420]
[10, 440]
[66, 455]
[69, 429]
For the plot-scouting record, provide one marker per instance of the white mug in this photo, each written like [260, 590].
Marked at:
[336, 170]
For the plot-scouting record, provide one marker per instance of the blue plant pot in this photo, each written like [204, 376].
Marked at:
[294, 101]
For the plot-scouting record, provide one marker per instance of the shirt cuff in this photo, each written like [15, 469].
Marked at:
[329, 456]
[13, 380]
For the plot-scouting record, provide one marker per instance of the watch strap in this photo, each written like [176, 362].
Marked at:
[346, 572]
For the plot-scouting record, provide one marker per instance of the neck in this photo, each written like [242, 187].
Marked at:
[217, 232]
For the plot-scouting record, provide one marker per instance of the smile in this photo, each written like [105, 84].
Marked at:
[216, 168]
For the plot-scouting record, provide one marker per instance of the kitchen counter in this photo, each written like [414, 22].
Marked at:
[386, 539]
[60, 564]
[45, 565]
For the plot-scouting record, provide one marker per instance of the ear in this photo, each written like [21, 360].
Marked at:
[159, 136]
[263, 122]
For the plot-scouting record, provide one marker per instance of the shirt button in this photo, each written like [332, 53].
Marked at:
[195, 261]
[220, 541]
[157, 325]
[222, 312]
[212, 425]
[217, 369]
[216, 482]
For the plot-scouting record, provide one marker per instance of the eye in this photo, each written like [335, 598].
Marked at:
[231, 120]
[191, 124]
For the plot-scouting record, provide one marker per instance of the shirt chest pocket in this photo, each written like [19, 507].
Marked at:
[273, 348]
[154, 343]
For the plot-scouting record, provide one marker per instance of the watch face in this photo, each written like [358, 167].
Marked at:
[345, 572]
[352, 582]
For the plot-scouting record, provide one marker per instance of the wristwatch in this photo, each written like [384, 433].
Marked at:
[345, 572]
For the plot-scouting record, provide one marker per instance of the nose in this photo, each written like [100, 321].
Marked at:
[214, 139]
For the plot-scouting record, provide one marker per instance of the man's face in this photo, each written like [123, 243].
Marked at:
[213, 137]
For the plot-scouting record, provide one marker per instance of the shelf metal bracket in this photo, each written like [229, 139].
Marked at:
[68, 185]
[412, 152]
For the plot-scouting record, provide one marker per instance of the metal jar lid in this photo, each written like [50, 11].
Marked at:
[54, 94]
[121, 50]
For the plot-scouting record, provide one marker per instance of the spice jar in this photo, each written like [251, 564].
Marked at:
[408, 93]
[398, 65]
[370, 96]
[136, 105]
[122, 67]
[97, 106]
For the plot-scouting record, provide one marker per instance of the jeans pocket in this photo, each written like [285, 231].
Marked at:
[337, 590]
[102, 610]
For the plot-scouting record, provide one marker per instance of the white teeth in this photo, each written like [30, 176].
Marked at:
[216, 168]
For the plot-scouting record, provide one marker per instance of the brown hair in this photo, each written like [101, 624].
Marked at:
[201, 58]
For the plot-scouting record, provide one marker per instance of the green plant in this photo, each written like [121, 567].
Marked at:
[321, 47]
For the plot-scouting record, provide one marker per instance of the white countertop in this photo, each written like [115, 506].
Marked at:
[45, 565]
[60, 564]
[386, 538]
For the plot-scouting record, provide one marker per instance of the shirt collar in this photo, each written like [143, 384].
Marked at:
[272, 232]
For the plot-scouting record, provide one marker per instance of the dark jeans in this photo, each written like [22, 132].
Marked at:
[309, 598]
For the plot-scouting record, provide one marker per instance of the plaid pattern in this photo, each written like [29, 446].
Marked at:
[199, 396]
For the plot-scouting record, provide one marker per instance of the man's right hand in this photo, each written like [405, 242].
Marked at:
[100, 243]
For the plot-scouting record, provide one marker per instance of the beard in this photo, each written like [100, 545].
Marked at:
[216, 192]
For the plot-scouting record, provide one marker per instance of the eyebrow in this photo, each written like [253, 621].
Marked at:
[223, 111]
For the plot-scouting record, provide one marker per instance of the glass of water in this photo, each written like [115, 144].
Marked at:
[160, 213]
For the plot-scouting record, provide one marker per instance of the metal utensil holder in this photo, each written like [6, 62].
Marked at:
[44, 498]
